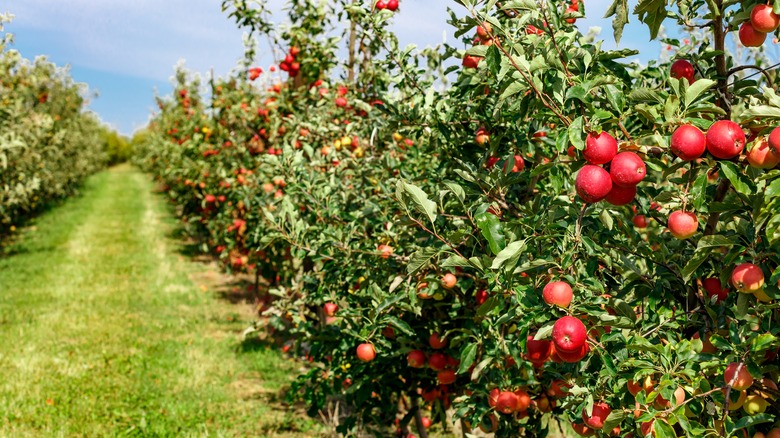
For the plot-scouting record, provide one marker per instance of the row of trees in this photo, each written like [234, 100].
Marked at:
[48, 143]
[526, 231]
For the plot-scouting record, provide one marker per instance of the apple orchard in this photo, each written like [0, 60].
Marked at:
[523, 230]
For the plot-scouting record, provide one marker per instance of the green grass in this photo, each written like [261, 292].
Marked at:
[104, 332]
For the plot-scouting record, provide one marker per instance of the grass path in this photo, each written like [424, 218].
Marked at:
[104, 332]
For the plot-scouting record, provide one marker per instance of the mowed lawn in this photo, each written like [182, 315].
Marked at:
[106, 331]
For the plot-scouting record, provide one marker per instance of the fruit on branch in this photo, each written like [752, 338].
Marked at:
[749, 36]
[437, 361]
[446, 377]
[688, 142]
[640, 221]
[471, 61]
[341, 102]
[484, 30]
[416, 359]
[575, 356]
[600, 148]
[330, 309]
[683, 224]
[569, 335]
[621, 195]
[392, 5]
[366, 352]
[747, 277]
[682, 69]
[507, 402]
[764, 19]
[599, 415]
[755, 404]
[725, 139]
[537, 351]
[774, 139]
[518, 164]
[762, 155]
[736, 399]
[449, 280]
[593, 183]
[557, 293]
[482, 136]
[385, 251]
[582, 430]
[714, 289]
[627, 169]
[739, 374]
[437, 342]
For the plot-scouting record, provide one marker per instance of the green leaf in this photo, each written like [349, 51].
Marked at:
[762, 342]
[467, 357]
[773, 230]
[696, 89]
[577, 133]
[400, 325]
[663, 430]
[614, 419]
[618, 9]
[492, 231]
[714, 241]
[509, 256]
[455, 261]
[740, 182]
[699, 191]
[493, 59]
[752, 420]
[513, 88]
[699, 257]
[480, 367]
[420, 259]
[544, 331]
[420, 200]
[772, 190]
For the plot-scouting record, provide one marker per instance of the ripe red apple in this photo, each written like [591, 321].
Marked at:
[481, 296]
[640, 221]
[537, 351]
[426, 422]
[380, 4]
[582, 430]
[762, 155]
[437, 342]
[688, 142]
[725, 139]
[518, 164]
[633, 387]
[593, 183]
[416, 359]
[763, 18]
[523, 400]
[747, 277]
[385, 251]
[484, 30]
[749, 36]
[482, 137]
[774, 139]
[493, 397]
[740, 375]
[470, 61]
[392, 5]
[569, 335]
[330, 309]
[572, 357]
[571, 10]
[714, 289]
[599, 415]
[557, 293]
[448, 281]
[437, 361]
[621, 195]
[341, 102]
[600, 148]
[366, 352]
[627, 169]
[558, 388]
[446, 377]
[682, 69]
[683, 224]
[507, 402]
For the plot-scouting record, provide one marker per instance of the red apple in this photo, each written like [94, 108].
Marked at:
[763, 18]
[470, 61]
[437, 361]
[446, 377]
[481, 296]
[517, 164]
[749, 36]
[747, 278]
[683, 224]
[392, 5]
[507, 402]
[774, 139]
[523, 400]
[385, 251]
[600, 148]
[599, 415]
[557, 293]
[725, 139]
[330, 309]
[682, 69]
[762, 155]
[537, 351]
[484, 30]
[627, 169]
[739, 374]
[416, 359]
[448, 281]
[572, 357]
[437, 342]
[714, 289]
[593, 183]
[688, 142]
[569, 335]
[582, 430]
[482, 137]
[621, 195]
[366, 352]
[640, 221]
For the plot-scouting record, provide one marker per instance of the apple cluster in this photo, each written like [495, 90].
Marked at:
[763, 20]
[390, 5]
[290, 65]
[484, 37]
[618, 185]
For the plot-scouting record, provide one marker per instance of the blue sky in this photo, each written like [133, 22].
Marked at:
[125, 50]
